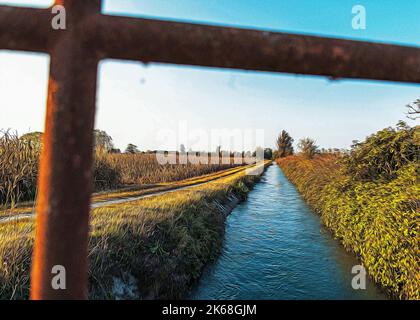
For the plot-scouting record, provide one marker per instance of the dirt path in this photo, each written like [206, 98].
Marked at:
[212, 177]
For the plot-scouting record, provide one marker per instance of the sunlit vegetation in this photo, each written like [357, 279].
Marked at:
[369, 199]
[150, 248]
[145, 169]
[18, 168]
[19, 157]
[308, 148]
[134, 191]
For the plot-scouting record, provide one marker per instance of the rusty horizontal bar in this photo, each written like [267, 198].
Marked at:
[25, 29]
[225, 47]
[213, 46]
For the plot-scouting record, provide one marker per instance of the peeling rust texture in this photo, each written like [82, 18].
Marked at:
[212, 46]
[65, 178]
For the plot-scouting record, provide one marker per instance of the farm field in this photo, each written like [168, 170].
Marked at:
[19, 157]
[125, 194]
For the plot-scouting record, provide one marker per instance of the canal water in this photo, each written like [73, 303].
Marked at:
[276, 248]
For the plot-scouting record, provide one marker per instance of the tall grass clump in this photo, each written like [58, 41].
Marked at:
[18, 169]
[369, 199]
[106, 176]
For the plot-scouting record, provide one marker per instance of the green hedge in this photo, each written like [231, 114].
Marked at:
[377, 218]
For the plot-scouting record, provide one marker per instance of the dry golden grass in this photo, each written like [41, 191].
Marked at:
[134, 191]
[145, 169]
[19, 169]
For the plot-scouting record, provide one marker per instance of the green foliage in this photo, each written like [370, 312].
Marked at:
[382, 154]
[241, 189]
[131, 148]
[370, 200]
[33, 138]
[308, 148]
[284, 145]
[103, 141]
[268, 154]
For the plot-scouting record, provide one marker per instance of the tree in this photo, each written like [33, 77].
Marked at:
[268, 153]
[131, 148]
[308, 148]
[182, 148]
[413, 112]
[284, 144]
[103, 141]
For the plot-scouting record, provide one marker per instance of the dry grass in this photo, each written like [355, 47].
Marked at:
[19, 170]
[145, 169]
[16, 241]
[162, 242]
[134, 191]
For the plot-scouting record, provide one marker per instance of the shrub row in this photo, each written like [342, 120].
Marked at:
[377, 216]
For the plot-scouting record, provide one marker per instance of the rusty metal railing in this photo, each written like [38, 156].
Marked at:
[65, 177]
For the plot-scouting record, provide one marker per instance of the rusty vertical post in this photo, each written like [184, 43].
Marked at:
[65, 179]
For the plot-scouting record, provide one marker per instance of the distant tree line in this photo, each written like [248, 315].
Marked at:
[307, 146]
[104, 143]
[284, 146]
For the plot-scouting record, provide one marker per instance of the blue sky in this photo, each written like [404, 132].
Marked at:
[135, 102]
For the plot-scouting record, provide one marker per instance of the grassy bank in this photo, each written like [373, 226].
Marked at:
[370, 201]
[151, 248]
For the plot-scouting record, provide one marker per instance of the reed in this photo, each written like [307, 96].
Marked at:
[145, 169]
[18, 169]
[19, 157]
